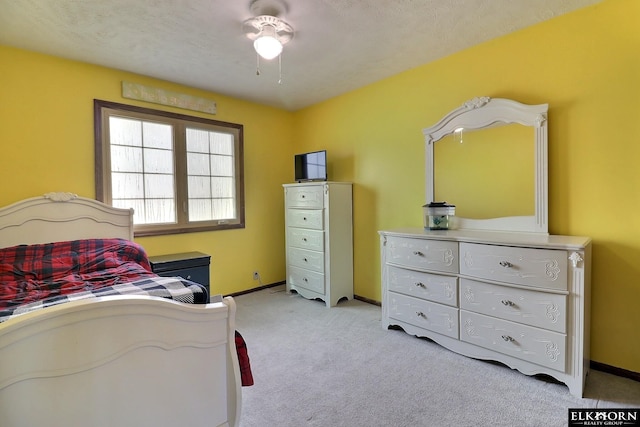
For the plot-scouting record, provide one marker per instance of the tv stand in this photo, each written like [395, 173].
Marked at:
[319, 240]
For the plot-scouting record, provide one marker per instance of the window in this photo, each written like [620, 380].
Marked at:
[179, 173]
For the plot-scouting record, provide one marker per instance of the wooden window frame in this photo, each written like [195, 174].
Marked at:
[104, 109]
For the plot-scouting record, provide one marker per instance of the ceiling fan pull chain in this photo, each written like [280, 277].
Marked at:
[257, 64]
[280, 69]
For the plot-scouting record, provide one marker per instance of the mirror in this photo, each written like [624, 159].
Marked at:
[507, 151]
[489, 158]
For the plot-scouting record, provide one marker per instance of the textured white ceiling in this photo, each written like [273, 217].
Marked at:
[339, 45]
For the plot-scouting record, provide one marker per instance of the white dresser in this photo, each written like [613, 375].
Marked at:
[518, 298]
[319, 240]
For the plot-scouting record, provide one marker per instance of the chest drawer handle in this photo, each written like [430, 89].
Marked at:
[508, 303]
[421, 285]
[421, 314]
[305, 260]
[506, 264]
[418, 253]
[507, 338]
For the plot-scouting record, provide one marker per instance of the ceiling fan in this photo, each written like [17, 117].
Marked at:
[267, 30]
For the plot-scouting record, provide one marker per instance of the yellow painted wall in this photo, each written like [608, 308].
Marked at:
[47, 144]
[586, 66]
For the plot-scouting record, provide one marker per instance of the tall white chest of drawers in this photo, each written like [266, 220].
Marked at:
[319, 240]
[517, 298]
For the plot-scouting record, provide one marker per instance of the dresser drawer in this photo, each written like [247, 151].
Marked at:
[535, 345]
[304, 258]
[305, 218]
[437, 255]
[305, 238]
[532, 308]
[302, 278]
[432, 287]
[424, 314]
[305, 197]
[542, 268]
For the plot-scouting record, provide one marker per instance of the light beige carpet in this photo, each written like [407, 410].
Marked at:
[315, 366]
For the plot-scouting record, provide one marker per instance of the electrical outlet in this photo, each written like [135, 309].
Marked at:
[256, 275]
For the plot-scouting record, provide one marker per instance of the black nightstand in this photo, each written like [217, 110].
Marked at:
[192, 266]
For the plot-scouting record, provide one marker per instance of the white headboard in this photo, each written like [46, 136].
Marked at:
[58, 217]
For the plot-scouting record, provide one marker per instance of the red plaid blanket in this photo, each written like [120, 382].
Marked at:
[30, 273]
[246, 375]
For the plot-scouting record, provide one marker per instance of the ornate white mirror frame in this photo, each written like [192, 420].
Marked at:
[482, 113]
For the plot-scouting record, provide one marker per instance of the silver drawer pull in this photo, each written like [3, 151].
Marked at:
[418, 253]
[506, 264]
[507, 338]
[508, 303]
[421, 285]
[421, 314]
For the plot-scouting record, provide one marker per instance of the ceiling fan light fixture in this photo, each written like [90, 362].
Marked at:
[269, 34]
[267, 44]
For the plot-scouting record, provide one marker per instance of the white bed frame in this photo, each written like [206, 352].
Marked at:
[112, 361]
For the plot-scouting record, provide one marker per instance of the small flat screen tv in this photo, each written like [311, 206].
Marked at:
[311, 166]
